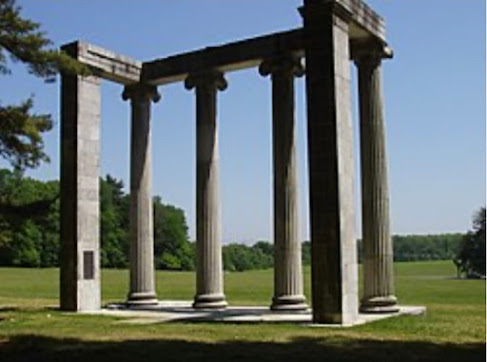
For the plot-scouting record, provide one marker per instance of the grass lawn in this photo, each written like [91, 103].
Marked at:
[31, 329]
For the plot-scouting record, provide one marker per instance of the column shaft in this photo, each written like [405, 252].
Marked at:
[377, 244]
[209, 266]
[142, 283]
[330, 152]
[288, 279]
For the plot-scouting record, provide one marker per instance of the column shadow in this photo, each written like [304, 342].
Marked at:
[40, 348]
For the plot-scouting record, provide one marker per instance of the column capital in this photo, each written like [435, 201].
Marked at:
[288, 64]
[213, 78]
[141, 92]
[369, 52]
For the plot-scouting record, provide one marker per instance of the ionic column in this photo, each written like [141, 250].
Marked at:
[142, 286]
[378, 294]
[288, 279]
[209, 267]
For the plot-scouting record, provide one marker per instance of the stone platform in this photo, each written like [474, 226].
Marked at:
[181, 311]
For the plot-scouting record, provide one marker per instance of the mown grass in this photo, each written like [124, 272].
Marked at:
[32, 329]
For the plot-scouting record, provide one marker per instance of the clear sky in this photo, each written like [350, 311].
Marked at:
[434, 93]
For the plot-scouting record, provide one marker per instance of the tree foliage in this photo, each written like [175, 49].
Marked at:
[426, 247]
[470, 259]
[114, 210]
[21, 130]
[172, 250]
[171, 246]
[21, 40]
[31, 239]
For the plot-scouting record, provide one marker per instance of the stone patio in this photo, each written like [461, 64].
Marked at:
[182, 311]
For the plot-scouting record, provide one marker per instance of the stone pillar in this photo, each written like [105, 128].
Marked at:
[331, 165]
[142, 285]
[80, 169]
[209, 266]
[288, 278]
[378, 266]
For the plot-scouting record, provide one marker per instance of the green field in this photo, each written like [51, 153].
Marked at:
[31, 329]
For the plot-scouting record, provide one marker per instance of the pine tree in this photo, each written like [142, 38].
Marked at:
[21, 40]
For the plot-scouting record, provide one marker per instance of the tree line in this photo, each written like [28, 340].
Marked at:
[30, 237]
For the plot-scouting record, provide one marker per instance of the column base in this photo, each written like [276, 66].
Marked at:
[289, 302]
[141, 298]
[386, 304]
[210, 301]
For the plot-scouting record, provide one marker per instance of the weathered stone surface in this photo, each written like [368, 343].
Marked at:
[224, 58]
[142, 283]
[364, 23]
[181, 311]
[107, 64]
[288, 279]
[209, 266]
[80, 164]
[378, 296]
[330, 152]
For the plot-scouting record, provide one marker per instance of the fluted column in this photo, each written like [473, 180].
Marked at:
[288, 278]
[209, 267]
[142, 285]
[378, 294]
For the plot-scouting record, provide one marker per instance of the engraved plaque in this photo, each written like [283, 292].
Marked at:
[88, 265]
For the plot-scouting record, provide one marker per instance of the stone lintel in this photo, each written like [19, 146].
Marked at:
[105, 63]
[365, 22]
[366, 18]
[233, 56]
[228, 57]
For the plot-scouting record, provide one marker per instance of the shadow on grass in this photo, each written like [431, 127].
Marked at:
[8, 309]
[36, 348]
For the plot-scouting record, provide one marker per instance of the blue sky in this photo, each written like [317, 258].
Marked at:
[434, 93]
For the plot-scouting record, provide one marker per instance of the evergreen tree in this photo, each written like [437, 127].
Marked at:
[21, 40]
[30, 238]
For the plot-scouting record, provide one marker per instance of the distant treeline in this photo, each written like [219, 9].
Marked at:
[426, 247]
[239, 257]
[29, 232]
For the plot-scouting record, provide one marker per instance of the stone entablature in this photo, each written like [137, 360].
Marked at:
[105, 63]
[365, 25]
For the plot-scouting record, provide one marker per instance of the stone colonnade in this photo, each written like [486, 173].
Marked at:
[327, 45]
